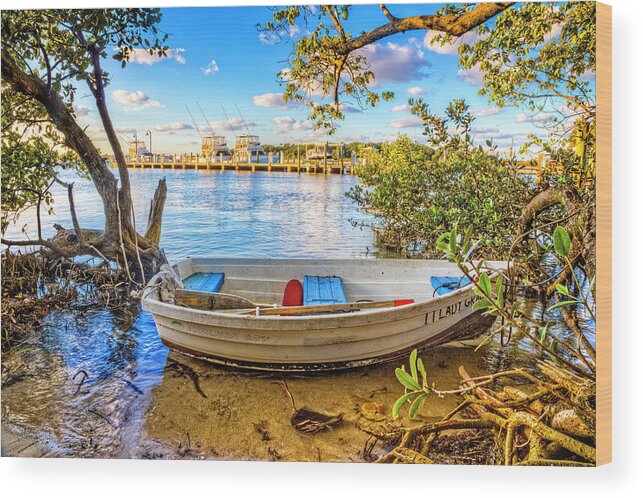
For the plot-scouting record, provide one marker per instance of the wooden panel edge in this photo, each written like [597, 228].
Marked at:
[603, 233]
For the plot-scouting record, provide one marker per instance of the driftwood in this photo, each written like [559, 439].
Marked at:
[309, 421]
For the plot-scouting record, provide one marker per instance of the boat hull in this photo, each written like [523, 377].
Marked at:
[468, 328]
[317, 343]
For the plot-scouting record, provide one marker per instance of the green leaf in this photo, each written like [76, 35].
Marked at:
[400, 401]
[500, 292]
[406, 380]
[472, 249]
[561, 304]
[485, 283]
[562, 241]
[413, 363]
[543, 333]
[417, 405]
[486, 340]
[453, 241]
[481, 304]
[422, 372]
[562, 289]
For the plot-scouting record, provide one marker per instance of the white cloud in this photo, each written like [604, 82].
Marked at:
[232, 124]
[481, 112]
[357, 137]
[271, 38]
[287, 124]
[293, 30]
[126, 130]
[135, 101]
[274, 100]
[555, 32]
[416, 90]
[401, 108]
[484, 130]
[349, 109]
[142, 56]
[312, 87]
[472, 76]
[211, 68]
[588, 75]
[410, 122]
[452, 46]
[171, 128]
[540, 117]
[81, 111]
[394, 63]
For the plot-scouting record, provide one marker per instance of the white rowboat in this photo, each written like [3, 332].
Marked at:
[327, 341]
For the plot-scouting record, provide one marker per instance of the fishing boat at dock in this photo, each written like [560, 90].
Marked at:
[215, 146]
[247, 148]
[303, 315]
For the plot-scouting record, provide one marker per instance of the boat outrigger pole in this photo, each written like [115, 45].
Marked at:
[242, 118]
[196, 127]
[228, 121]
[205, 119]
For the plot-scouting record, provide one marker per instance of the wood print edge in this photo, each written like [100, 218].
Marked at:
[604, 233]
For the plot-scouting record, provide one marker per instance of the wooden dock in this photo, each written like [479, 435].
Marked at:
[330, 168]
[193, 162]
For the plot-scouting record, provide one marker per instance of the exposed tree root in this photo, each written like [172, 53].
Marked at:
[549, 422]
[33, 286]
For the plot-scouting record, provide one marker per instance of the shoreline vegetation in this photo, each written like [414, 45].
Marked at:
[452, 198]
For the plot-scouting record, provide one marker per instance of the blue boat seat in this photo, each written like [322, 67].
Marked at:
[323, 290]
[444, 285]
[204, 282]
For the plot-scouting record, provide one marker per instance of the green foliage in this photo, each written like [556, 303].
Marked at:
[416, 388]
[492, 300]
[319, 73]
[541, 57]
[417, 193]
[31, 149]
[534, 52]
[57, 44]
[562, 242]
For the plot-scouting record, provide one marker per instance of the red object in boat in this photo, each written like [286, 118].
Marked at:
[293, 294]
[402, 302]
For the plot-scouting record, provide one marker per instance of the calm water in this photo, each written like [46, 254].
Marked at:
[99, 383]
[234, 214]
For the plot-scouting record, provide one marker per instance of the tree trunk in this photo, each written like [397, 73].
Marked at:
[118, 241]
[75, 137]
[580, 226]
[99, 95]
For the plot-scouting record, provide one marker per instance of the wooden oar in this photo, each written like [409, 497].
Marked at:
[328, 308]
[213, 300]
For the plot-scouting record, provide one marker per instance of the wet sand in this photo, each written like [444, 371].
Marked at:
[246, 416]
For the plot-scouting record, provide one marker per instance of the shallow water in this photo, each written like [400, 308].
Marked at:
[101, 384]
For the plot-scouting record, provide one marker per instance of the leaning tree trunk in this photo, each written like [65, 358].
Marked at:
[580, 224]
[117, 241]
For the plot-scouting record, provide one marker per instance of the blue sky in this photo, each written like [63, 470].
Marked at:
[218, 59]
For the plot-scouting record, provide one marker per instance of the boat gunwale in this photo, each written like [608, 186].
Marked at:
[152, 303]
